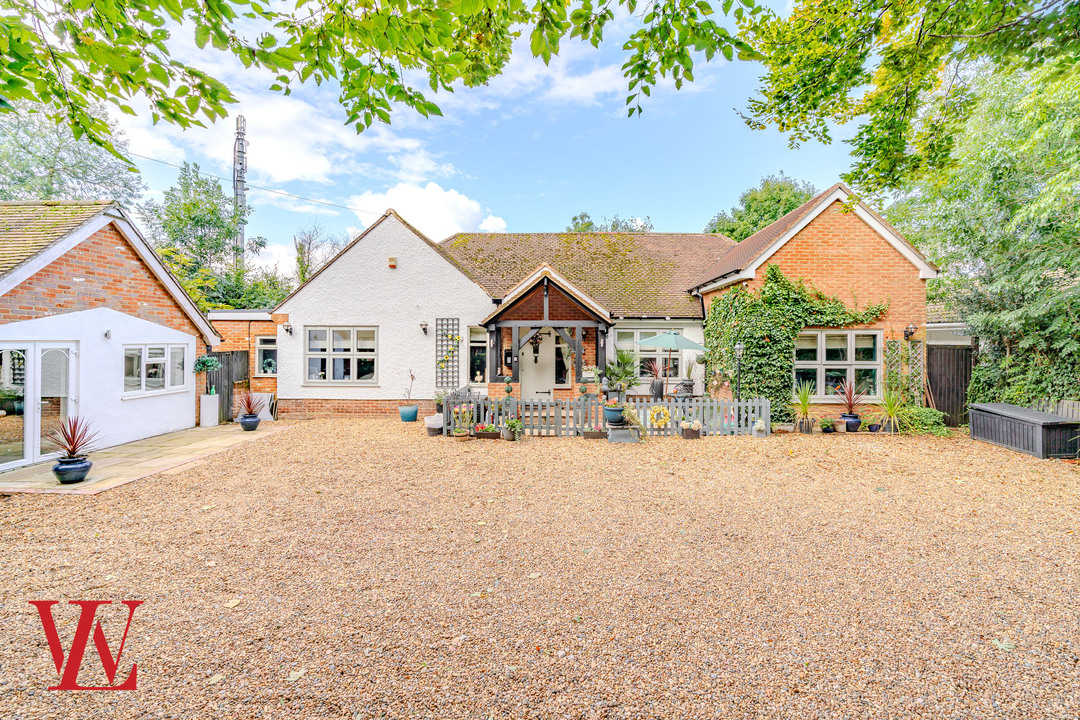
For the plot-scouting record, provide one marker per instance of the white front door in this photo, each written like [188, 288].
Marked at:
[538, 371]
[37, 393]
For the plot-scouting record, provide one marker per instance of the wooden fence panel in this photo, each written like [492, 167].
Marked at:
[1064, 408]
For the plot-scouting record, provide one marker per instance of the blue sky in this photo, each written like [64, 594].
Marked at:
[526, 153]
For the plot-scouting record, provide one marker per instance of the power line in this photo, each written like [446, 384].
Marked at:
[256, 187]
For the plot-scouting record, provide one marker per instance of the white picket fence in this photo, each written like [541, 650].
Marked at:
[571, 417]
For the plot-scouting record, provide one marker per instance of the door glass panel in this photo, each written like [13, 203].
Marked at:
[54, 391]
[12, 395]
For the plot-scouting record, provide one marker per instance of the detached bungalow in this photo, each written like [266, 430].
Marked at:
[91, 323]
[537, 309]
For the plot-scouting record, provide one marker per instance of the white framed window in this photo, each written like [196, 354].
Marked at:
[629, 339]
[341, 355]
[478, 349]
[826, 358]
[152, 369]
[266, 355]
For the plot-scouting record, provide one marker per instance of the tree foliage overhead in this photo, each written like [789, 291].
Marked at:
[583, 223]
[74, 54]
[1002, 220]
[193, 230]
[42, 160]
[830, 62]
[759, 206]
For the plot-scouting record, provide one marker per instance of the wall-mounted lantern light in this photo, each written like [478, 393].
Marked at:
[910, 330]
[423, 326]
[287, 327]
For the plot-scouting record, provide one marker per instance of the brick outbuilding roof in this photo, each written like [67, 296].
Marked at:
[27, 228]
[631, 274]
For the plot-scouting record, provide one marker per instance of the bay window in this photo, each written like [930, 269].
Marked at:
[343, 355]
[826, 358]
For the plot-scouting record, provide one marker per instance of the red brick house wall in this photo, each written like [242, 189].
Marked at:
[102, 271]
[839, 254]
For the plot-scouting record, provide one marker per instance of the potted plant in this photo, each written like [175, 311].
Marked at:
[210, 403]
[761, 428]
[613, 412]
[828, 425]
[250, 405]
[892, 410]
[486, 431]
[512, 429]
[656, 385]
[804, 394]
[461, 434]
[74, 439]
[622, 372]
[440, 398]
[850, 399]
[408, 409]
[874, 427]
[462, 417]
[594, 433]
[691, 430]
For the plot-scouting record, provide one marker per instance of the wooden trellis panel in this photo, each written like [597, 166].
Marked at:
[915, 372]
[447, 354]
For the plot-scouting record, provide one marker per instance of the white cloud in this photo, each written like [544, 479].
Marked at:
[275, 256]
[436, 212]
[494, 224]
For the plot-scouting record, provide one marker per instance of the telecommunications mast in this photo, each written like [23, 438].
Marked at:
[239, 185]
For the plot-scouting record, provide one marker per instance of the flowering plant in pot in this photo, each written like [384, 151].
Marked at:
[461, 434]
[850, 400]
[828, 425]
[594, 433]
[691, 430]
[613, 412]
[761, 428]
[804, 394]
[249, 405]
[74, 439]
[408, 409]
[512, 428]
[486, 431]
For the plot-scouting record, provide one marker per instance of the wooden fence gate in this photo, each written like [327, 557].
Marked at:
[233, 372]
[948, 374]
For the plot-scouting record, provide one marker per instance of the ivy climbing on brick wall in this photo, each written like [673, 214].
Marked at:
[767, 323]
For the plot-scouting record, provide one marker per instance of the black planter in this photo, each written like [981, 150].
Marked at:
[889, 426]
[72, 470]
[828, 430]
[689, 434]
[249, 422]
[804, 426]
[853, 422]
[438, 407]
[874, 427]
[656, 387]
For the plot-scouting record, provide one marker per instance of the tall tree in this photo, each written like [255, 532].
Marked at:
[42, 160]
[74, 54]
[315, 246]
[831, 62]
[193, 230]
[583, 222]
[771, 199]
[1003, 221]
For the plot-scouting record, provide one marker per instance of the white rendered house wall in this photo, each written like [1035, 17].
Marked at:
[360, 289]
[99, 376]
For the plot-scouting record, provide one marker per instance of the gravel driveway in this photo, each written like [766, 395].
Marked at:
[360, 569]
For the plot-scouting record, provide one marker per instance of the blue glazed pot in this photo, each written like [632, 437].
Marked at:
[851, 421]
[72, 470]
[408, 412]
[249, 422]
[613, 416]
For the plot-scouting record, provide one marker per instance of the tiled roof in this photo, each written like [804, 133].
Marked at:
[631, 274]
[27, 228]
[750, 249]
[942, 311]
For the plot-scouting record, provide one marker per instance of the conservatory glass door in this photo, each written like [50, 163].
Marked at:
[14, 435]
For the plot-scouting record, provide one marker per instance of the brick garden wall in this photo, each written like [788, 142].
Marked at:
[318, 408]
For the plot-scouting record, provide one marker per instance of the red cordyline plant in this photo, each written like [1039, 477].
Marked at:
[850, 398]
[654, 368]
[74, 438]
[250, 403]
